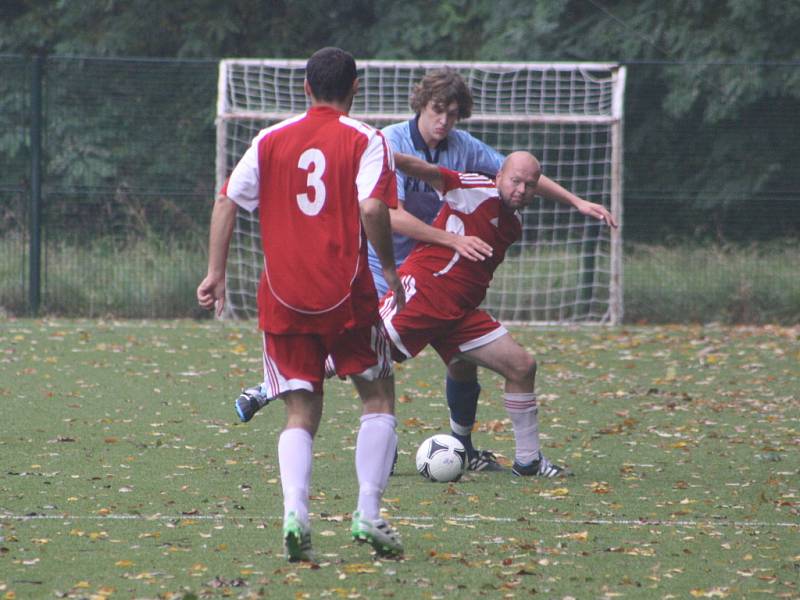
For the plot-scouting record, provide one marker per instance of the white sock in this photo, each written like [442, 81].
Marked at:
[294, 458]
[459, 429]
[375, 447]
[524, 415]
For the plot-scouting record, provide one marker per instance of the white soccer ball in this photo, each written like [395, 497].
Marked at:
[441, 458]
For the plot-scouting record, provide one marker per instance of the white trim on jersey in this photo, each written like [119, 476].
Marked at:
[367, 130]
[381, 345]
[454, 225]
[274, 382]
[388, 150]
[389, 309]
[485, 339]
[379, 340]
[467, 200]
[394, 336]
[243, 183]
[372, 160]
[476, 179]
[370, 132]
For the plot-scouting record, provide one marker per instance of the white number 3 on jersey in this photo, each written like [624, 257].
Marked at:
[312, 161]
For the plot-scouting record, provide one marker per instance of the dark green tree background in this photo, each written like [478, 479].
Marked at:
[712, 105]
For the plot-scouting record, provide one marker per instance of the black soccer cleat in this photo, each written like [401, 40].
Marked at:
[249, 402]
[541, 467]
[483, 460]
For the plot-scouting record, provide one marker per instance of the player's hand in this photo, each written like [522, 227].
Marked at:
[470, 247]
[396, 287]
[598, 211]
[211, 294]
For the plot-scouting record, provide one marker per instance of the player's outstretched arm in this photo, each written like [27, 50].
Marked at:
[551, 190]
[375, 217]
[418, 168]
[469, 246]
[211, 291]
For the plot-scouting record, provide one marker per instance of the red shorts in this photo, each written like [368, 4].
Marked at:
[413, 328]
[297, 361]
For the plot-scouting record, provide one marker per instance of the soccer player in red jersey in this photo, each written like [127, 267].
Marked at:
[323, 183]
[443, 291]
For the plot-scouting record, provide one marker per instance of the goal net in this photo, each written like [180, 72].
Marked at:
[567, 267]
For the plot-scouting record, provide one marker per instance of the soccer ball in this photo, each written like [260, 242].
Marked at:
[441, 458]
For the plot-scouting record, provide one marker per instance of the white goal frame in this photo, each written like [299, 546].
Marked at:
[570, 115]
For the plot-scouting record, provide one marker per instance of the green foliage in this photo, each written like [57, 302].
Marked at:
[156, 136]
[145, 277]
[416, 30]
[14, 121]
[713, 87]
[711, 127]
[703, 284]
[186, 28]
[128, 146]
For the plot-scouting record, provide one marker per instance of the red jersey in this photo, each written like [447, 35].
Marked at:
[307, 176]
[472, 206]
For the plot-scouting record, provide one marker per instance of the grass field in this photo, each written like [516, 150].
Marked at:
[124, 474]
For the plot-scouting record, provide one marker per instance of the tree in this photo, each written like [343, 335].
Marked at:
[185, 28]
[713, 87]
[713, 90]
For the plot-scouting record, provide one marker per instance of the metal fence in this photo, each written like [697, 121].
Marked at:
[123, 181]
[107, 178]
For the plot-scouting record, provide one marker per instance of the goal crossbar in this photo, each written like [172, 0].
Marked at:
[396, 117]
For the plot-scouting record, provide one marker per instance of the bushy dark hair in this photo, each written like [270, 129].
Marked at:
[442, 87]
[330, 73]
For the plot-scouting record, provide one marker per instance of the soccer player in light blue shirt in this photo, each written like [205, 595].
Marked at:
[458, 151]
[439, 100]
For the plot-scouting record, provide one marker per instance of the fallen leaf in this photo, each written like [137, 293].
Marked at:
[580, 536]
[359, 568]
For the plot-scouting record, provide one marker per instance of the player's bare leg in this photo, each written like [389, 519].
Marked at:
[507, 358]
[295, 457]
[375, 450]
[303, 410]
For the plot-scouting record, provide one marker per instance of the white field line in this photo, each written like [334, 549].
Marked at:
[707, 523]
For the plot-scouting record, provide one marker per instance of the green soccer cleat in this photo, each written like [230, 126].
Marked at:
[296, 539]
[379, 534]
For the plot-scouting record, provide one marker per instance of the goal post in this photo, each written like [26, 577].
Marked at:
[567, 267]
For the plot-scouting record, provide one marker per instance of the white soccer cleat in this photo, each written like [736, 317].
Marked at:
[379, 534]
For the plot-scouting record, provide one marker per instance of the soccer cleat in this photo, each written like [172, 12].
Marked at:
[249, 402]
[541, 467]
[378, 533]
[296, 539]
[483, 460]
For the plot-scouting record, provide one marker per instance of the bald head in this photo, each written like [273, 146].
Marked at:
[518, 178]
[521, 160]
